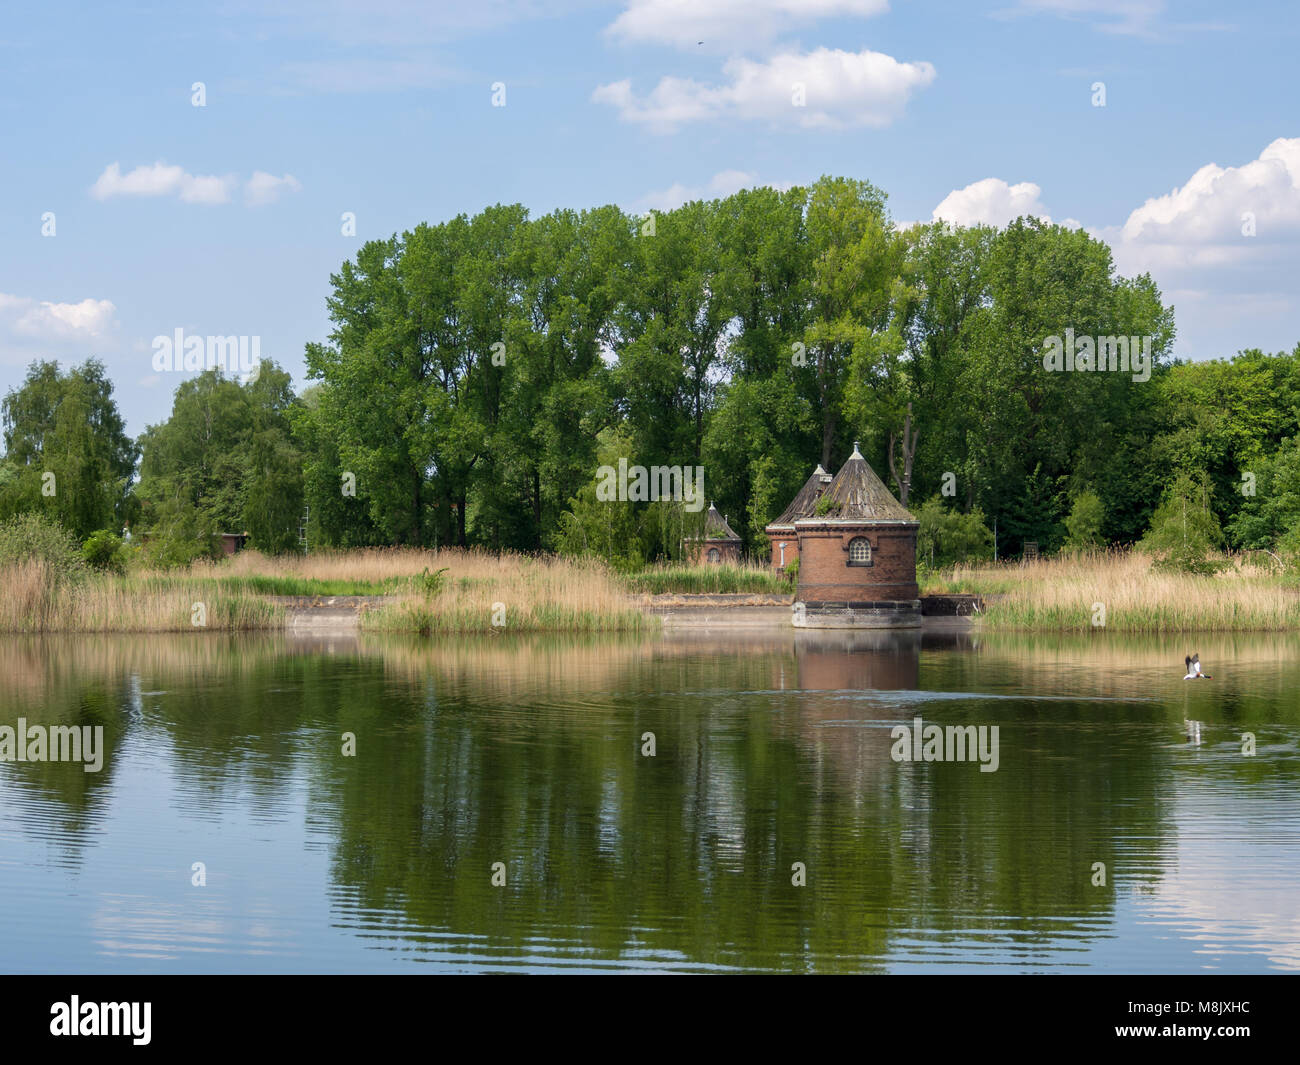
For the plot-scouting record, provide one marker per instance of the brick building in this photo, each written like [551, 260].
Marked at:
[858, 556]
[718, 544]
[780, 532]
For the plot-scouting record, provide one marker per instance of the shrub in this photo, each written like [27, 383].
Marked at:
[104, 550]
[1184, 531]
[32, 537]
[947, 537]
[430, 583]
[1083, 526]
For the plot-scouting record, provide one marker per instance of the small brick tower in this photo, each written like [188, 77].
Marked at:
[718, 544]
[858, 552]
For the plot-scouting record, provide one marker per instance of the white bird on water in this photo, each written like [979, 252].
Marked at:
[1193, 728]
[1194, 668]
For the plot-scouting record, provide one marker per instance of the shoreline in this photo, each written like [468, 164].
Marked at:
[311, 616]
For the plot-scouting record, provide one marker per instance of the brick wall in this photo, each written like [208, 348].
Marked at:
[697, 551]
[791, 548]
[824, 573]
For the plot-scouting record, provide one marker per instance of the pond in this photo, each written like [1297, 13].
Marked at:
[694, 802]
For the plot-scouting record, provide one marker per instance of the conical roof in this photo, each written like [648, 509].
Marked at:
[857, 496]
[804, 502]
[716, 527]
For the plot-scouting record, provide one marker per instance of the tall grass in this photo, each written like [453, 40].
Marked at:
[511, 593]
[725, 579]
[1063, 595]
[34, 599]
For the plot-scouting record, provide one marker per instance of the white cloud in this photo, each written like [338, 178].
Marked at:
[263, 188]
[1229, 288]
[1131, 17]
[720, 186]
[46, 321]
[728, 25]
[839, 89]
[162, 180]
[1202, 223]
[991, 202]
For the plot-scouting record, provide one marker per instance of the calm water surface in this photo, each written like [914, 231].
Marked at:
[771, 749]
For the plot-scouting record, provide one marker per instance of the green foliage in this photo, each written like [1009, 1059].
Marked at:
[610, 529]
[431, 583]
[104, 550]
[67, 452]
[706, 579]
[1269, 515]
[223, 462]
[946, 537]
[479, 371]
[1083, 525]
[182, 533]
[1184, 529]
[34, 537]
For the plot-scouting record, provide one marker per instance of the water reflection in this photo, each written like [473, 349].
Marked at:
[770, 749]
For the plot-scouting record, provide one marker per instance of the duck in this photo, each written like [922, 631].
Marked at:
[1193, 663]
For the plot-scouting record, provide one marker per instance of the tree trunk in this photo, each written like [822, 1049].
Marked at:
[909, 441]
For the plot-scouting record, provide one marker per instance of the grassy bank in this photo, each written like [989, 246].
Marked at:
[456, 591]
[33, 599]
[1063, 595]
[425, 591]
[750, 579]
[480, 592]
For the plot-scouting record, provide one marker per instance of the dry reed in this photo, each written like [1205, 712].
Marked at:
[1121, 591]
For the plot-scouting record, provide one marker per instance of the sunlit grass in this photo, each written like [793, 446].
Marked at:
[1123, 589]
[511, 593]
[445, 591]
[726, 579]
[31, 600]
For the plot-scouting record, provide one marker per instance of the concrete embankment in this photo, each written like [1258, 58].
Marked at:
[735, 612]
[315, 615]
[309, 616]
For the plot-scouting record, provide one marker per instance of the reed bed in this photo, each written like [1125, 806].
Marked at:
[1063, 595]
[728, 579]
[482, 593]
[34, 599]
[369, 565]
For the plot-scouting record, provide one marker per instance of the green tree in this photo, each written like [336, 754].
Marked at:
[1084, 523]
[223, 461]
[946, 536]
[1184, 529]
[66, 450]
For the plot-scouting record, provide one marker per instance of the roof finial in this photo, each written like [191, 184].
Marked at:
[856, 453]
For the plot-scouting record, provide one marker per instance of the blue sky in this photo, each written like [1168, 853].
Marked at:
[225, 219]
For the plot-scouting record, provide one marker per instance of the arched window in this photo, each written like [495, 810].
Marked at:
[715, 555]
[859, 551]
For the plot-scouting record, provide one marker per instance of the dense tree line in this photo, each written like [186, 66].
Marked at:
[479, 371]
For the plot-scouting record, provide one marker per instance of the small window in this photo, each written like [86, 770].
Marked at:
[715, 555]
[859, 551]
